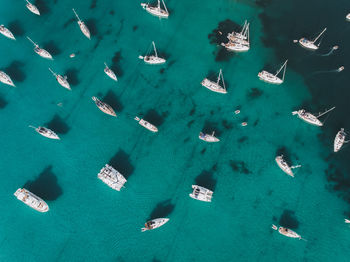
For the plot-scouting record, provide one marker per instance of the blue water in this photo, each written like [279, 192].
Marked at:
[87, 220]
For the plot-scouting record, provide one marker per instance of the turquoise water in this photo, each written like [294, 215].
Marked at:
[87, 220]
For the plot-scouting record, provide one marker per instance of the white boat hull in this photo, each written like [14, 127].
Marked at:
[84, 29]
[31, 200]
[63, 82]
[43, 53]
[4, 78]
[288, 233]
[282, 164]
[155, 223]
[105, 108]
[307, 44]
[111, 74]
[32, 8]
[201, 193]
[208, 138]
[339, 140]
[236, 47]
[269, 78]
[213, 86]
[308, 118]
[6, 32]
[155, 11]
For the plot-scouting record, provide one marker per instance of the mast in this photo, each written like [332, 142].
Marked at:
[76, 14]
[158, 5]
[32, 41]
[166, 10]
[329, 110]
[155, 50]
[53, 72]
[106, 65]
[284, 71]
[319, 35]
[246, 34]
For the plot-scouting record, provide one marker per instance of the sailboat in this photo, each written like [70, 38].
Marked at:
[310, 118]
[84, 29]
[284, 166]
[104, 107]
[153, 59]
[215, 86]
[32, 8]
[311, 44]
[4, 78]
[110, 72]
[273, 78]
[156, 10]
[348, 17]
[46, 132]
[6, 32]
[339, 140]
[62, 80]
[238, 42]
[42, 52]
[154, 223]
[287, 232]
[146, 124]
[208, 137]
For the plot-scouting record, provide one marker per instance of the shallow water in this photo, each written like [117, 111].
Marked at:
[89, 221]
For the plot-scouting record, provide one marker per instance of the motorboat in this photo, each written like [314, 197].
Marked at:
[146, 124]
[31, 200]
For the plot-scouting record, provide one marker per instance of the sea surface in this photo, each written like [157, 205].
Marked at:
[87, 220]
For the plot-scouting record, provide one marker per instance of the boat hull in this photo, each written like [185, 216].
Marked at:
[31, 200]
[213, 86]
[155, 11]
[155, 223]
[269, 78]
[284, 166]
[308, 44]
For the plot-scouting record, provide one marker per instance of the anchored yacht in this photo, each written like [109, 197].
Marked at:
[154, 223]
[201, 193]
[84, 29]
[42, 52]
[208, 138]
[238, 42]
[156, 10]
[153, 59]
[311, 44]
[110, 73]
[215, 86]
[310, 118]
[146, 124]
[288, 232]
[46, 132]
[4, 78]
[32, 8]
[6, 32]
[62, 80]
[31, 200]
[348, 17]
[234, 35]
[105, 108]
[339, 140]
[273, 78]
[112, 177]
[284, 166]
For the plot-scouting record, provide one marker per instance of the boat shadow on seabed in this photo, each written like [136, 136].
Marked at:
[121, 162]
[162, 209]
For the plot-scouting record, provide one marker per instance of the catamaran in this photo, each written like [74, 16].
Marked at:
[310, 118]
[311, 44]
[31, 200]
[110, 73]
[105, 108]
[154, 223]
[6, 32]
[4, 78]
[46, 132]
[32, 8]
[62, 80]
[146, 124]
[238, 42]
[215, 86]
[284, 166]
[84, 29]
[42, 52]
[156, 10]
[153, 59]
[273, 78]
[201, 193]
[112, 177]
[339, 140]
[208, 137]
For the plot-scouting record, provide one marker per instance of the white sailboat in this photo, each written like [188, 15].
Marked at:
[287, 232]
[46, 132]
[154, 223]
[284, 166]
[201, 193]
[238, 42]
[310, 118]
[104, 107]
[31, 200]
[4, 78]
[111, 177]
[208, 137]
[153, 59]
[348, 17]
[215, 86]
[32, 8]
[84, 29]
[110, 72]
[42, 52]
[311, 44]
[156, 10]
[62, 80]
[6, 32]
[146, 124]
[273, 78]
[339, 140]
